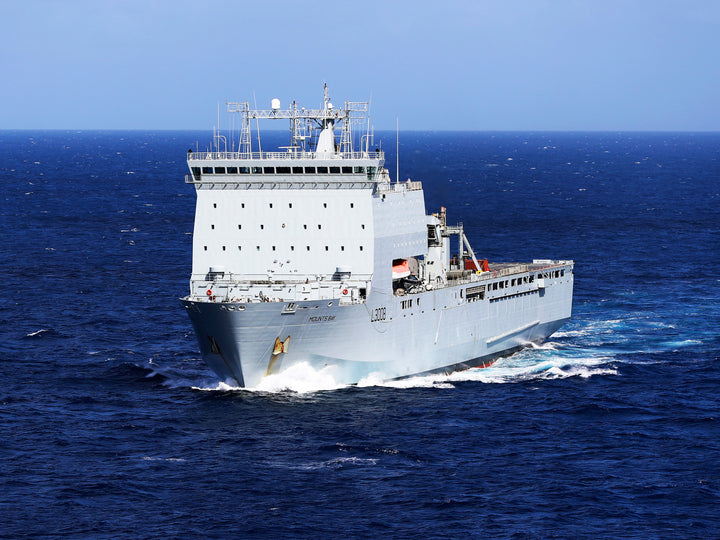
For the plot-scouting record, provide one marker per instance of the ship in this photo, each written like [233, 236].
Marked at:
[311, 253]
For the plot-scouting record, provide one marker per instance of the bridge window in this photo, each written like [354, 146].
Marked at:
[207, 170]
[219, 170]
[232, 170]
[297, 170]
[309, 170]
[347, 170]
[257, 170]
[269, 170]
[283, 170]
[359, 170]
[322, 170]
[334, 170]
[244, 170]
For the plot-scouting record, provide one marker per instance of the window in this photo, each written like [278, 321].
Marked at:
[322, 170]
[273, 248]
[239, 226]
[242, 205]
[342, 248]
[219, 170]
[289, 205]
[214, 205]
[212, 227]
[257, 248]
[324, 205]
[361, 248]
[262, 227]
[268, 170]
[334, 170]
[347, 170]
[292, 248]
[319, 226]
[309, 170]
[244, 170]
[283, 170]
[362, 226]
[205, 248]
[223, 248]
[304, 226]
[352, 205]
[308, 248]
[359, 170]
[270, 205]
[239, 248]
[326, 248]
[297, 170]
[232, 170]
[257, 170]
[207, 170]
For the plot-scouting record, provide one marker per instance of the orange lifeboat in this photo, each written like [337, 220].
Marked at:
[400, 269]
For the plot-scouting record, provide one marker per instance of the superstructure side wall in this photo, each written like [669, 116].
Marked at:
[400, 231]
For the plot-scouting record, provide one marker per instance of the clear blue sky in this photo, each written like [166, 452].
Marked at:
[442, 64]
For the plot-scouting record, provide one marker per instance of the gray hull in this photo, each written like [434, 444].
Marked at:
[439, 331]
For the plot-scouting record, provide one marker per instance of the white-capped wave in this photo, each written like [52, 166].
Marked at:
[37, 332]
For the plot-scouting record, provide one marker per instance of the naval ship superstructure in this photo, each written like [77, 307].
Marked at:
[311, 253]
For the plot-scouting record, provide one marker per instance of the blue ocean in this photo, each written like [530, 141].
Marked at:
[111, 426]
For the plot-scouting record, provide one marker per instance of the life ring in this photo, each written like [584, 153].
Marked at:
[345, 291]
[209, 292]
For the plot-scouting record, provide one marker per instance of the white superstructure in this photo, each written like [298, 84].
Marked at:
[310, 253]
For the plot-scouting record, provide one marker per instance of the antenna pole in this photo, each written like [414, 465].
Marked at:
[397, 149]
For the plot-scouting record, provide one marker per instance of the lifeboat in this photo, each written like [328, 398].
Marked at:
[400, 269]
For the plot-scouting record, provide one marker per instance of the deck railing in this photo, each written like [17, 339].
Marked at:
[289, 155]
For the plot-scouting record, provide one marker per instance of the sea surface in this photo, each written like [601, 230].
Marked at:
[111, 426]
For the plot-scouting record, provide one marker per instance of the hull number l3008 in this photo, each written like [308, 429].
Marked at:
[378, 314]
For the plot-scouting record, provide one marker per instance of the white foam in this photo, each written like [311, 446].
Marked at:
[300, 378]
[37, 332]
[419, 381]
